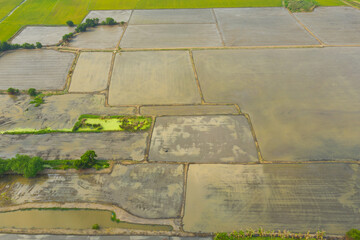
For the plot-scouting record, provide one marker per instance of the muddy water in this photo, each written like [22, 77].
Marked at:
[68, 219]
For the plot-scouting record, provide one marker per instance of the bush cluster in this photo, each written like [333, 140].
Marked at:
[67, 37]
[5, 46]
[353, 234]
[13, 91]
[22, 164]
[301, 5]
[87, 160]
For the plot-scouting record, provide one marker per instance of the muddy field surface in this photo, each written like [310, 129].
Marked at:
[171, 35]
[117, 15]
[297, 197]
[166, 16]
[151, 77]
[91, 72]
[203, 139]
[300, 109]
[52, 146]
[147, 191]
[58, 111]
[261, 27]
[333, 25]
[40, 69]
[188, 110]
[100, 37]
[44, 35]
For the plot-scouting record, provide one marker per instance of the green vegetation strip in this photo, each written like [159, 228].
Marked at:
[301, 5]
[58, 12]
[30, 166]
[95, 123]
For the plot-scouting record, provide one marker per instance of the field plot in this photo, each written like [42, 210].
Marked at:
[261, 27]
[300, 109]
[334, 25]
[91, 72]
[58, 112]
[188, 110]
[166, 16]
[148, 191]
[7, 7]
[295, 197]
[117, 15]
[40, 69]
[164, 77]
[171, 35]
[100, 37]
[44, 35]
[107, 145]
[203, 139]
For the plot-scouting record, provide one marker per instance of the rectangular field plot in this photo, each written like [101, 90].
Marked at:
[117, 15]
[171, 35]
[261, 27]
[107, 145]
[44, 35]
[303, 103]
[91, 72]
[164, 16]
[100, 37]
[334, 25]
[40, 69]
[296, 197]
[163, 77]
[203, 139]
[188, 110]
[143, 190]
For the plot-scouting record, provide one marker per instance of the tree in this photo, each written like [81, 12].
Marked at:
[81, 27]
[87, 160]
[70, 23]
[28, 46]
[110, 21]
[32, 92]
[38, 45]
[13, 91]
[26, 165]
[67, 37]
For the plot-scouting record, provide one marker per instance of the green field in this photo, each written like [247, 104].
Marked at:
[57, 12]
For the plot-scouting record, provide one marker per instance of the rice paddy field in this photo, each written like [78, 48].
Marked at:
[57, 12]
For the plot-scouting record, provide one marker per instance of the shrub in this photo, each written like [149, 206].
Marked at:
[3, 166]
[87, 160]
[353, 234]
[67, 37]
[110, 21]
[301, 5]
[122, 23]
[32, 92]
[28, 46]
[92, 22]
[96, 227]
[70, 23]
[26, 165]
[81, 27]
[38, 45]
[13, 91]
[38, 100]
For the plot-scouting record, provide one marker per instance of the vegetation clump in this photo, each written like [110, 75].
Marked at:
[301, 5]
[37, 101]
[5, 46]
[38, 45]
[114, 218]
[13, 91]
[96, 227]
[32, 92]
[353, 234]
[87, 160]
[25, 165]
[70, 23]
[109, 21]
[67, 37]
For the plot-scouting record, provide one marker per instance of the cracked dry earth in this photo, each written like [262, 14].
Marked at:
[263, 134]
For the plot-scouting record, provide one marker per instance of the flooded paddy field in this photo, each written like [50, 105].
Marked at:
[333, 25]
[40, 69]
[100, 37]
[43, 34]
[188, 110]
[295, 197]
[91, 72]
[52, 146]
[300, 109]
[68, 219]
[171, 36]
[153, 77]
[58, 111]
[203, 139]
[118, 15]
[172, 16]
[261, 27]
[146, 191]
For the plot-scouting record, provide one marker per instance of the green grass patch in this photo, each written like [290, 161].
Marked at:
[70, 164]
[301, 5]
